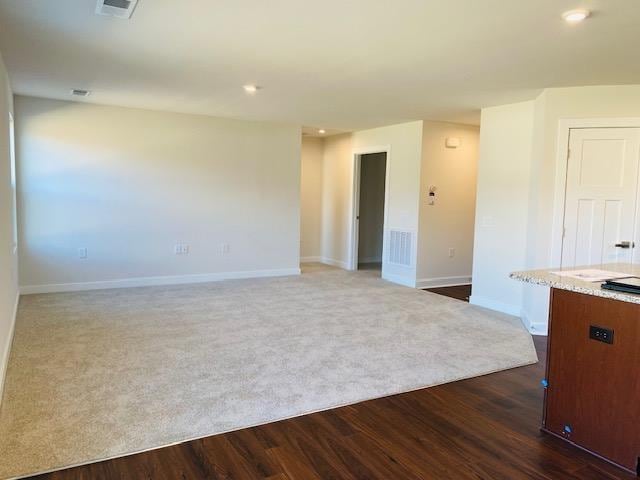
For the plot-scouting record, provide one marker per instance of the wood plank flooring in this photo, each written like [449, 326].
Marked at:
[459, 292]
[481, 428]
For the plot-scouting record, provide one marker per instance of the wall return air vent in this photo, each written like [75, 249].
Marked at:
[400, 247]
[116, 8]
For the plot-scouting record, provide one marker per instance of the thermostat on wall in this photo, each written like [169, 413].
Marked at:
[432, 194]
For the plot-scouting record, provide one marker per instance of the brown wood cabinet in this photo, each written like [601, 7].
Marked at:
[593, 387]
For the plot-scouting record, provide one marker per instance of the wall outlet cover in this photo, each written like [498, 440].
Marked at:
[181, 249]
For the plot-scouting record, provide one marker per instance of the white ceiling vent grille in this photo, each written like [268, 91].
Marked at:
[80, 93]
[400, 245]
[116, 8]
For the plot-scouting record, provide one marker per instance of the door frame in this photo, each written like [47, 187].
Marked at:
[354, 232]
[562, 163]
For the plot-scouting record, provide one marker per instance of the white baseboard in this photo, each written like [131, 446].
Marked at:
[335, 263]
[317, 259]
[443, 282]
[154, 281]
[494, 305]
[399, 279]
[535, 328]
[7, 347]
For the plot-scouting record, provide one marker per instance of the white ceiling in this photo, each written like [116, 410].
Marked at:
[336, 64]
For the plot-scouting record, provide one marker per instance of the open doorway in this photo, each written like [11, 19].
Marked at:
[370, 211]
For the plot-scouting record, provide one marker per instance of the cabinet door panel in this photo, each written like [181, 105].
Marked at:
[593, 398]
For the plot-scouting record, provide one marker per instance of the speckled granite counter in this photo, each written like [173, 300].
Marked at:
[548, 279]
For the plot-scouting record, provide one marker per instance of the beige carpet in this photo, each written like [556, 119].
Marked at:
[106, 373]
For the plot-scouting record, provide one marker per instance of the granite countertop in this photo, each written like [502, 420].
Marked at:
[548, 279]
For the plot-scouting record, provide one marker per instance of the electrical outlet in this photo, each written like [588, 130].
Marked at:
[601, 334]
[181, 249]
[82, 252]
[224, 248]
[452, 252]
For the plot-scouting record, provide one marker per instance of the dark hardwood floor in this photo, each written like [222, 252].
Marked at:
[481, 428]
[460, 292]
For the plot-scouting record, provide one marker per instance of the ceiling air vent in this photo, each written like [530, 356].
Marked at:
[79, 92]
[116, 8]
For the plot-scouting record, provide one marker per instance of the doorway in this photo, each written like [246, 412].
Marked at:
[601, 197]
[370, 211]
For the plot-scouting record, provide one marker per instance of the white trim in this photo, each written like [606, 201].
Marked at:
[153, 281]
[494, 305]
[443, 282]
[7, 346]
[564, 131]
[399, 279]
[539, 333]
[335, 263]
[317, 259]
[535, 328]
[354, 233]
[352, 262]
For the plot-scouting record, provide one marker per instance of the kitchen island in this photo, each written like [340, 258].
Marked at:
[592, 384]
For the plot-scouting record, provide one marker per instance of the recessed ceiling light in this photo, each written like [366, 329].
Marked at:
[78, 92]
[575, 16]
[322, 131]
[251, 89]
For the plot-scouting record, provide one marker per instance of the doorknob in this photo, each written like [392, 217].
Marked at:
[626, 244]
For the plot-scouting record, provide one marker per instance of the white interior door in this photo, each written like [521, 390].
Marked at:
[601, 196]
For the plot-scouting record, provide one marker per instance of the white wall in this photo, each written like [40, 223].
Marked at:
[129, 184]
[449, 223]
[8, 258]
[311, 199]
[504, 173]
[417, 158]
[336, 199]
[537, 124]
[403, 163]
[552, 105]
[371, 207]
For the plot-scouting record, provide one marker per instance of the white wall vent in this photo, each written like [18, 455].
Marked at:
[116, 8]
[400, 247]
